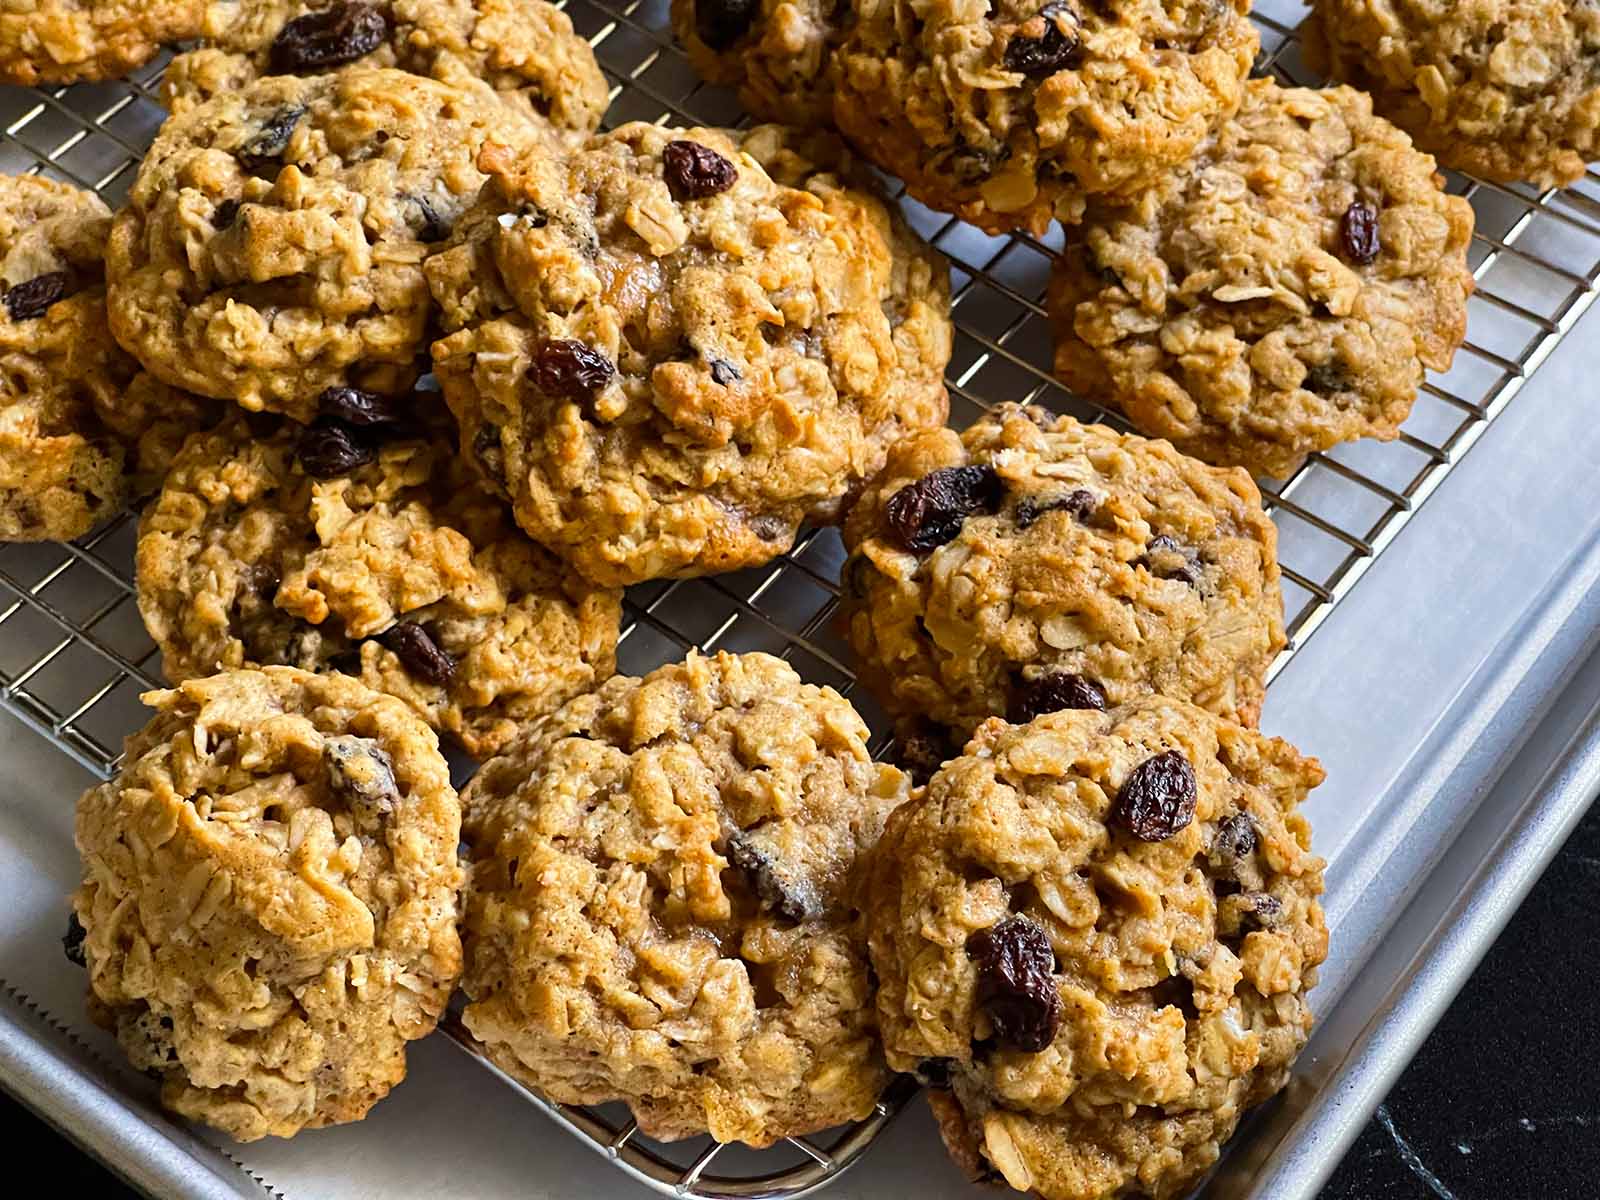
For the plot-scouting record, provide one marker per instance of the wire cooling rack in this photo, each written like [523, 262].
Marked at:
[74, 655]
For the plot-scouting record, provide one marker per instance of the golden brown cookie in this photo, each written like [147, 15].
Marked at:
[661, 902]
[1282, 294]
[61, 468]
[68, 41]
[1033, 563]
[1505, 89]
[269, 897]
[371, 550]
[272, 243]
[524, 50]
[1094, 935]
[776, 52]
[668, 359]
[1012, 113]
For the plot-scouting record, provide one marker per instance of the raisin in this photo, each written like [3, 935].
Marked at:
[1358, 233]
[487, 450]
[328, 449]
[930, 512]
[222, 217]
[1234, 842]
[1260, 909]
[272, 139]
[1046, 43]
[724, 372]
[1327, 379]
[361, 772]
[933, 1072]
[721, 23]
[772, 529]
[970, 164]
[1166, 559]
[921, 750]
[1050, 693]
[72, 942]
[780, 887]
[33, 297]
[361, 409]
[1030, 508]
[419, 653]
[1157, 799]
[567, 370]
[694, 172]
[330, 38]
[1016, 984]
[434, 228]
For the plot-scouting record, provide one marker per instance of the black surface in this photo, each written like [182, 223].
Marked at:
[1502, 1103]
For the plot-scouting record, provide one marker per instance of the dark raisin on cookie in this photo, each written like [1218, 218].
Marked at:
[1053, 692]
[361, 773]
[1327, 379]
[489, 454]
[568, 370]
[72, 942]
[694, 172]
[1079, 503]
[1016, 982]
[419, 653]
[32, 298]
[1166, 558]
[329, 449]
[930, 512]
[789, 896]
[329, 38]
[1358, 233]
[222, 217]
[1156, 801]
[434, 228]
[721, 23]
[724, 373]
[1233, 843]
[933, 1072]
[272, 139]
[1045, 43]
[360, 408]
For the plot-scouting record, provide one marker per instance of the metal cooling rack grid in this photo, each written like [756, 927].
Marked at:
[74, 655]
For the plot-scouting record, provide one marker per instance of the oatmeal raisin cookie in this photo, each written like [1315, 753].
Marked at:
[524, 50]
[269, 897]
[1283, 294]
[667, 359]
[273, 241]
[69, 41]
[1033, 563]
[1505, 89]
[1094, 935]
[335, 549]
[1011, 112]
[661, 902]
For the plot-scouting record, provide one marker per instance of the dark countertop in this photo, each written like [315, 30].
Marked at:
[1502, 1103]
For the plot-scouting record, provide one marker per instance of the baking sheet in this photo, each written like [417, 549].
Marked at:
[1402, 662]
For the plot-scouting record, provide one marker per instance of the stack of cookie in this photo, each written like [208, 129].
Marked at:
[455, 369]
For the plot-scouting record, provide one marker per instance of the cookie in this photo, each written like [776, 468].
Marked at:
[661, 908]
[667, 359]
[1283, 294]
[525, 51]
[1013, 113]
[269, 897]
[152, 420]
[69, 41]
[272, 243]
[61, 469]
[1094, 935]
[333, 548]
[777, 53]
[1504, 89]
[1033, 563]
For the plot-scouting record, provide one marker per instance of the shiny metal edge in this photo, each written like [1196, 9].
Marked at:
[1547, 777]
[60, 1081]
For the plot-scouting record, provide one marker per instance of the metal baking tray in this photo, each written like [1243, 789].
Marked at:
[1453, 777]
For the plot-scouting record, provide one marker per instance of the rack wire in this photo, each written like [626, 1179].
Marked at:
[74, 655]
